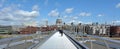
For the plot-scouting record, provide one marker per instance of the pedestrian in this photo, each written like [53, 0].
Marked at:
[61, 32]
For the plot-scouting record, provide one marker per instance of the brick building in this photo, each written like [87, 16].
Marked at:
[29, 30]
[48, 28]
[115, 30]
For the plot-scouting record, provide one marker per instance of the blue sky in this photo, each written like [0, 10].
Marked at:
[35, 12]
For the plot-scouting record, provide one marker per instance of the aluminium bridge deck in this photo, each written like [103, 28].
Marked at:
[57, 42]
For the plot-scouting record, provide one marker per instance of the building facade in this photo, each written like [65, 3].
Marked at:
[97, 29]
[5, 29]
[29, 30]
[115, 30]
[59, 22]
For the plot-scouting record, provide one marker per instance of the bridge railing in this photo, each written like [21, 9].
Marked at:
[72, 38]
[35, 46]
[22, 39]
[91, 41]
[8, 42]
[104, 41]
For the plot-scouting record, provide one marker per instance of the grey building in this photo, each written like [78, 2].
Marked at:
[103, 29]
[5, 29]
[97, 29]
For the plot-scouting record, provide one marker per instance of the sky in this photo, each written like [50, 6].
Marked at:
[36, 12]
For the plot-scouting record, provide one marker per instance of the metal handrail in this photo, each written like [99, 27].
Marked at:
[105, 41]
[77, 44]
[41, 42]
[102, 38]
[9, 41]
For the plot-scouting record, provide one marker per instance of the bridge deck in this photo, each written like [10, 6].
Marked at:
[57, 42]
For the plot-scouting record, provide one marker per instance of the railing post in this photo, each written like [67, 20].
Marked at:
[9, 43]
[91, 44]
[25, 40]
[106, 44]
[34, 38]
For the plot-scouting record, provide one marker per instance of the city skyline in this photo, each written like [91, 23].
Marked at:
[36, 12]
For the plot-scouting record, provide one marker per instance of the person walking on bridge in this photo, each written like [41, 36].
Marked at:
[61, 32]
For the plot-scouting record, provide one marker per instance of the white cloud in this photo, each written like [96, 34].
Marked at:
[75, 17]
[53, 13]
[14, 14]
[69, 10]
[35, 8]
[6, 9]
[6, 14]
[118, 21]
[99, 15]
[118, 5]
[80, 22]
[27, 13]
[84, 14]
[65, 16]
[31, 23]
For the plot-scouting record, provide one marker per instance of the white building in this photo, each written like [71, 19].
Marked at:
[100, 29]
